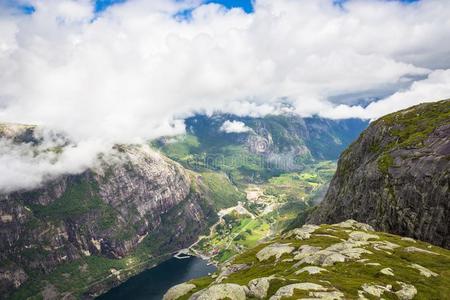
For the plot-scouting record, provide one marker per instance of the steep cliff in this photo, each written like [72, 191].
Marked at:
[395, 177]
[64, 238]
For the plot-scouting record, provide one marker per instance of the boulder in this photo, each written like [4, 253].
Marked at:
[258, 287]
[272, 250]
[288, 290]
[179, 290]
[221, 291]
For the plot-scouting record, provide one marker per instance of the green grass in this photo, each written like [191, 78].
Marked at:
[413, 125]
[234, 159]
[385, 161]
[348, 277]
[79, 198]
[180, 148]
[78, 276]
[405, 129]
[222, 191]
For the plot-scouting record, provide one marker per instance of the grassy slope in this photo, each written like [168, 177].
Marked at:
[222, 192]
[410, 128]
[290, 192]
[348, 277]
[233, 159]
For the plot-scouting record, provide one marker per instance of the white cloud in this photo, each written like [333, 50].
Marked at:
[435, 87]
[134, 71]
[25, 166]
[234, 127]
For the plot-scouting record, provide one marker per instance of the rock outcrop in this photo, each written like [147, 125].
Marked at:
[396, 176]
[348, 260]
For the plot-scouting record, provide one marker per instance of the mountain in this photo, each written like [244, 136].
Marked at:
[79, 235]
[396, 176]
[268, 146]
[347, 260]
[113, 220]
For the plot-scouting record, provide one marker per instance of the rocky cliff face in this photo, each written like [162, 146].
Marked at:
[395, 177]
[117, 210]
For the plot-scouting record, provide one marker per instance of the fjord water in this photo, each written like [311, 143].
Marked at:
[153, 283]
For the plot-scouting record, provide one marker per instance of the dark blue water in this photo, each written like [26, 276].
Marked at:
[153, 283]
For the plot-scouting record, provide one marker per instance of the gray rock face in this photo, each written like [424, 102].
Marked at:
[221, 291]
[106, 211]
[258, 287]
[396, 176]
[178, 291]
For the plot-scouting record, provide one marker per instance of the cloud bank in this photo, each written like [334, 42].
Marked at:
[137, 69]
[234, 127]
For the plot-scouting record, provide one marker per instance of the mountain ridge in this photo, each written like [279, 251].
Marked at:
[396, 176]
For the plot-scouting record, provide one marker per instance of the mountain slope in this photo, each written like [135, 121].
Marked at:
[81, 234]
[347, 260]
[137, 206]
[269, 146]
[396, 176]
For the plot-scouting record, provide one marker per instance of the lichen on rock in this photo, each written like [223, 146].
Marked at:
[221, 291]
[274, 250]
[178, 291]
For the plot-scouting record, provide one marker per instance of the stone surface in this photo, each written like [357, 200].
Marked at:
[288, 290]
[359, 271]
[126, 196]
[331, 295]
[311, 270]
[408, 239]
[179, 290]
[221, 291]
[401, 189]
[407, 292]
[387, 271]
[337, 253]
[362, 236]
[306, 250]
[424, 271]
[272, 250]
[302, 233]
[354, 225]
[418, 250]
[258, 287]
[376, 290]
[230, 269]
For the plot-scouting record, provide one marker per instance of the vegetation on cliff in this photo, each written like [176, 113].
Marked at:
[396, 176]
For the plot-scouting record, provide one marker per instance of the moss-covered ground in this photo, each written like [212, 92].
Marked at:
[348, 277]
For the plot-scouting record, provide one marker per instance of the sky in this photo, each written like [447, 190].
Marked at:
[109, 72]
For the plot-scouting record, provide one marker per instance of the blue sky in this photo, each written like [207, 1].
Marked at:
[246, 5]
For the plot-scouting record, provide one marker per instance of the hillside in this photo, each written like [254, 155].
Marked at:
[282, 164]
[81, 234]
[396, 176]
[347, 260]
[265, 147]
